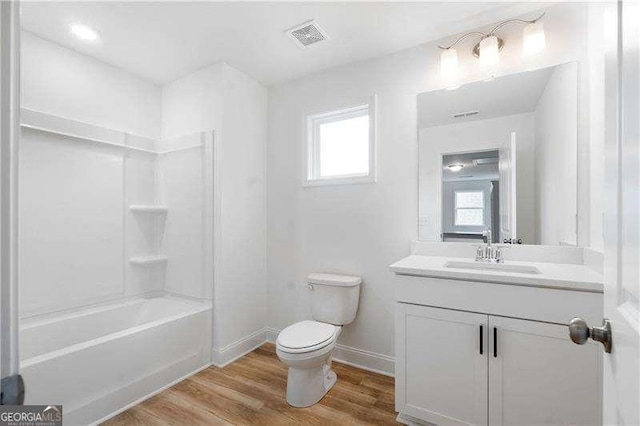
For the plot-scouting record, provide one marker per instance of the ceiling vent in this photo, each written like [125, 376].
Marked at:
[307, 34]
[481, 161]
[466, 114]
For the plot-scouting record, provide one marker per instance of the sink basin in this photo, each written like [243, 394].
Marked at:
[481, 266]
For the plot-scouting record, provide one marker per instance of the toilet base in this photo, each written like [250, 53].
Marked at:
[306, 387]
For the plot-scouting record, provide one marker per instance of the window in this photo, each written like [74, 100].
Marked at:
[341, 147]
[469, 208]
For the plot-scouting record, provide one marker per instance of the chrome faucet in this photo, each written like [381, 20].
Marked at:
[488, 253]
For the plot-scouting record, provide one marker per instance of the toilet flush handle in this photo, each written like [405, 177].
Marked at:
[310, 287]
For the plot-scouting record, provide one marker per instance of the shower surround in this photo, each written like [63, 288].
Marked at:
[116, 263]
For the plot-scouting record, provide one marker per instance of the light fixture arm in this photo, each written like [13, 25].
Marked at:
[514, 21]
[462, 37]
[492, 32]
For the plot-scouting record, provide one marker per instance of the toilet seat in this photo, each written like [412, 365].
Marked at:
[306, 336]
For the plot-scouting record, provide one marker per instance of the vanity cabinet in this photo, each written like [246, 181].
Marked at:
[441, 365]
[458, 368]
[538, 376]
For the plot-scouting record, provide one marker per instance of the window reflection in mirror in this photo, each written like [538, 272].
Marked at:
[501, 155]
[469, 195]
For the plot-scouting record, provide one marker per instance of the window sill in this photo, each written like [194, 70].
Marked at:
[339, 181]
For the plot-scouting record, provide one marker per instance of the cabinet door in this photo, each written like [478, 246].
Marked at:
[441, 373]
[537, 376]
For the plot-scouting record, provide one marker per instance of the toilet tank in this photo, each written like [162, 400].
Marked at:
[334, 298]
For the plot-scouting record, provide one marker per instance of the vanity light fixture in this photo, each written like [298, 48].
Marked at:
[83, 32]
[449, 62]
[533, 38]
[455, 167]
[487, 50]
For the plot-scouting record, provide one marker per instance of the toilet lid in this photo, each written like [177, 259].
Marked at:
[304, 334]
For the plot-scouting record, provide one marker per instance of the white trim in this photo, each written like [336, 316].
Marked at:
[355, 357]
[272, 334]
[9, 215]
[341, 180]
[230, 353]
[311, 175]
[406, 419]
[366, 360]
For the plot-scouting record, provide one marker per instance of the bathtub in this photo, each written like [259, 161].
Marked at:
[98, 361]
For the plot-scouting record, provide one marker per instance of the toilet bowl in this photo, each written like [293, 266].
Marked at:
[306, 347]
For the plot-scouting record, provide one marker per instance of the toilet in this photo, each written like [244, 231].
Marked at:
[306, 347]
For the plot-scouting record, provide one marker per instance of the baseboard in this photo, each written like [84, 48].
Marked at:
[405, 419]
[272, 334]
[367, 360]
[226, 355]
[370, 361]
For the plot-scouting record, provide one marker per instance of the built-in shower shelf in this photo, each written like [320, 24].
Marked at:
[139, 208]
[148, 260]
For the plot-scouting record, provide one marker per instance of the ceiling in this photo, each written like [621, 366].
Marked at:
[512, 94]
[470, 171]
[163, 41]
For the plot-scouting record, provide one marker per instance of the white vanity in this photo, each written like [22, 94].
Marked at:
[480, 343]
[482, 333]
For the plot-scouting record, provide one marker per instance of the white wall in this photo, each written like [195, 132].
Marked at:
[479, 135]
[60, 81]
[76, 232]
[241, 261]
[193, 103]
[235, 107]
[360, 229]
[556, 162]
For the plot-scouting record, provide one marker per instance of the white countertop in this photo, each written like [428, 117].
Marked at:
[553, 275]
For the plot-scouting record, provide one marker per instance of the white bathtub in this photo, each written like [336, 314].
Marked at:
[97, 361]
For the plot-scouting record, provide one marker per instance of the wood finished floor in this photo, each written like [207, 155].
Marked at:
[251, 391]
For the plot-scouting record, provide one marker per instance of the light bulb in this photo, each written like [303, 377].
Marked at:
[449, 63]
[489, 51]
[533, 38]
[456, 167]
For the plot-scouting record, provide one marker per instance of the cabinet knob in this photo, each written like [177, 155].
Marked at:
[580, 332]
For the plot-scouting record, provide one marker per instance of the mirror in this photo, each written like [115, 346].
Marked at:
[501, 155]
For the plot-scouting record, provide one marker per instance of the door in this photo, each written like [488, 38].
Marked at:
[537, 376]
[507, 173]
[622, 213]
[441, 365]
[12, 390]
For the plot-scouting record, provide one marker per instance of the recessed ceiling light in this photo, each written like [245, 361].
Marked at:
[84, 32]
[455, 167]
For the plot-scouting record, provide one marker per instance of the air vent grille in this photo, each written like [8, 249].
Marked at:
[481, 161]
[466, 114]
[307, 34]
